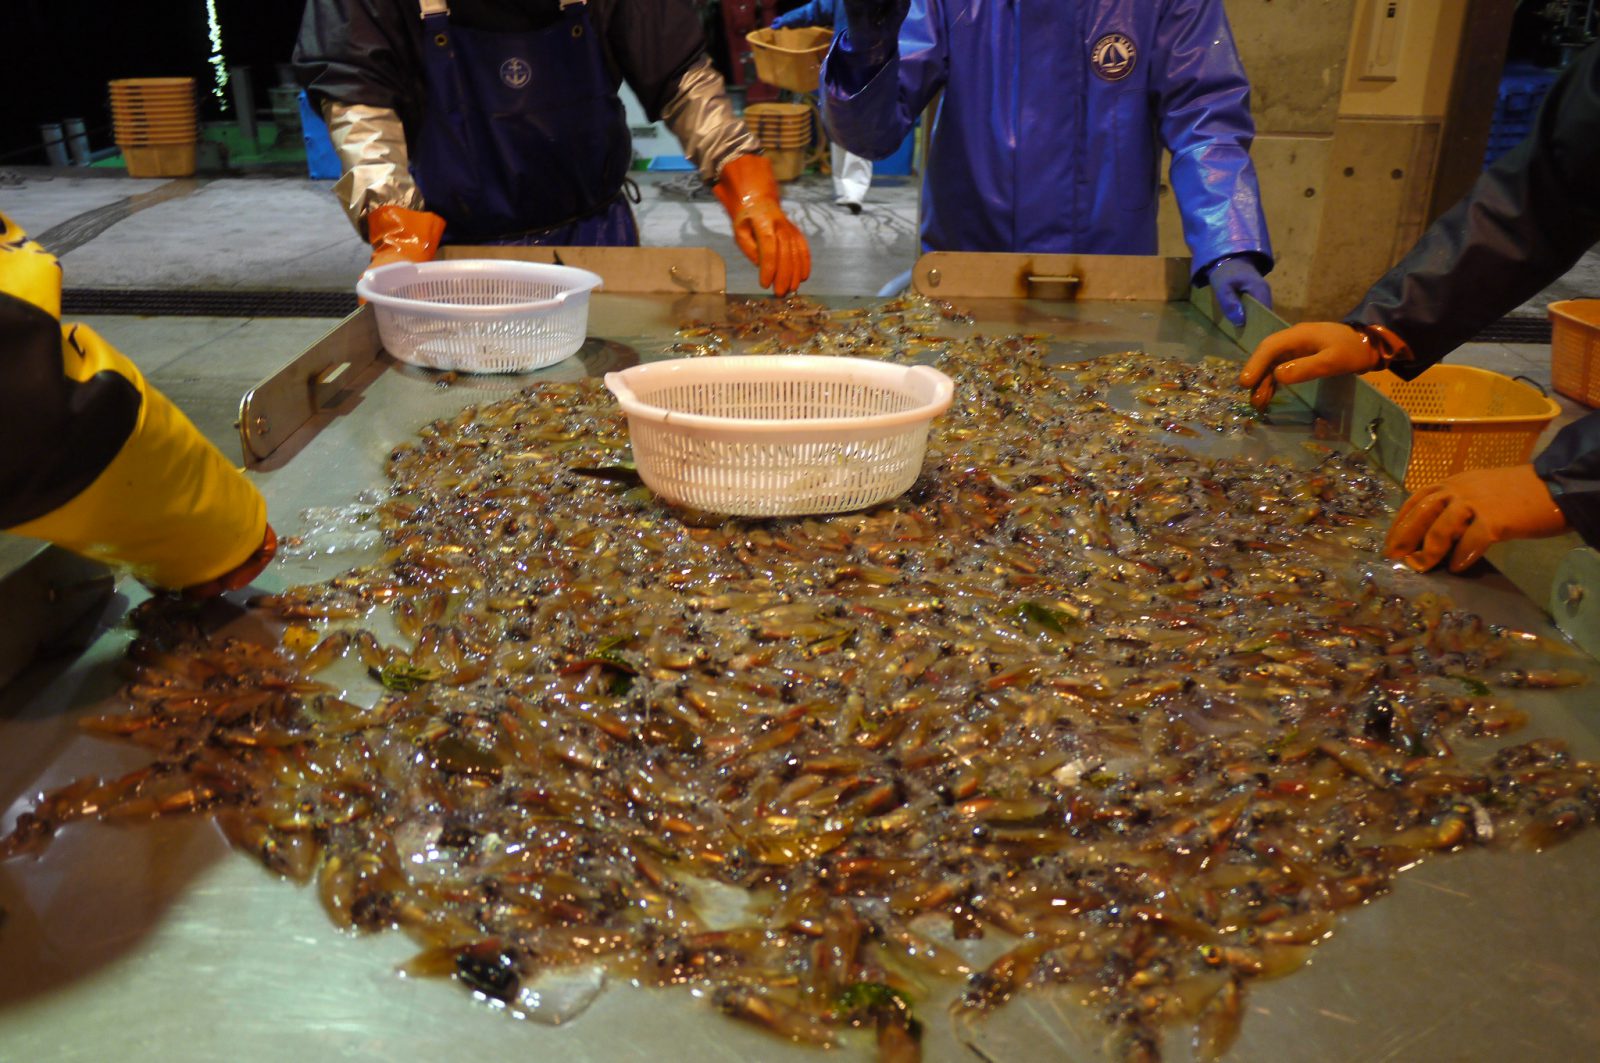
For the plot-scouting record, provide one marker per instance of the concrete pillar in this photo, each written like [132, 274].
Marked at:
[55, 148]
[244, 102]
[77, 141]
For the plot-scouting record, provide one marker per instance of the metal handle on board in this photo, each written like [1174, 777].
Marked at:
[1046, 286]
[1535, 383]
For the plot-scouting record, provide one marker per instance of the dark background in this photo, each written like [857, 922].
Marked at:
[59, 54]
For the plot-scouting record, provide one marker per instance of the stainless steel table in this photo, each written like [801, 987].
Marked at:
[157, 942]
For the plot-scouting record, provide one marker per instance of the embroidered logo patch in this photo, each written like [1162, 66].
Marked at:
[1113, 56]
[516, 73]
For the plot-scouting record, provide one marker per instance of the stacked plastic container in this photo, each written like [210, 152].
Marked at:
[786, 134]
[789, 59]
[156, 126]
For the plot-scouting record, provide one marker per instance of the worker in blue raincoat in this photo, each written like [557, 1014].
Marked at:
[1527, 220]
[499, 122]
[1049, 134]
[852, 174]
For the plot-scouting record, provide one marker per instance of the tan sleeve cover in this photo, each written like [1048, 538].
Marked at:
[701, 117]
[371, 145]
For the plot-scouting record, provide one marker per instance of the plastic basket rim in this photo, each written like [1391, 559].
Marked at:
[1559, 308]
[778, 109]
[763, 42]
[587, 280]
[1552, 407]
[618, 384]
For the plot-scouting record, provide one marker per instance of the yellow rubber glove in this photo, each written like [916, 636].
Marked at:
[1313, 350]
[749, 193]
[401, 235]
[239, 577]
[1463, 515]
[166, 504]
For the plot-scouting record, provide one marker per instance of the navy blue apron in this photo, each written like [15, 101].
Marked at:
[523, 139]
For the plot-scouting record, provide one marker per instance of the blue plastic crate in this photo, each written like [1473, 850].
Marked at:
[322, 162]
[900, 161]
[670, 164]
[1522, 91]
[1498, 145]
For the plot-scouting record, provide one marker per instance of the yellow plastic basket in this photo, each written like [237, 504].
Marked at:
[1464, 418]
[159, 160]
[790, 58]
[780, 125]
[786, 134]
[1575, 349]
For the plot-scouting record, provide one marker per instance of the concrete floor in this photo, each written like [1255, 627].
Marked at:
[290, 233]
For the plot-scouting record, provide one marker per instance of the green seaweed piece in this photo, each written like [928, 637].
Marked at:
[1046, 617]
[403, 678]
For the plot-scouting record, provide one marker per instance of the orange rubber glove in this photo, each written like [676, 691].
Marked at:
[1463, 515]
[749, 193]
[1313, 350]
[401, 235]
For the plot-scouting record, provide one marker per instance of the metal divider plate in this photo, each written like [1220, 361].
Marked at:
[282, 404]
[1355, 410]
[1575, 599]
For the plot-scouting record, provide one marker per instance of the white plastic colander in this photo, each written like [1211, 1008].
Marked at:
[779, 435]
[480, 315]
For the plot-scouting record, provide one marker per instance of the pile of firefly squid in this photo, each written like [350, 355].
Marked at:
[1135, 705]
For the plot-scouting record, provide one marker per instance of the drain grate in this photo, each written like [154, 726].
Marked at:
[1516, 329]
[178, 302]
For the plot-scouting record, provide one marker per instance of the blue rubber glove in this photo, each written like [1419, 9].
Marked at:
[786, 21]
[873, 27]
[1234, 277]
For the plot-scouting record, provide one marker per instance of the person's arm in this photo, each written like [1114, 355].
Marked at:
[658, 48]
[700, 115]
[94, 459]
[1528, 218]
[356, 60]
[1461, 516]
[816, 13]
[1570, 468]
[361, 52]
[881, 72]
[1203, 113]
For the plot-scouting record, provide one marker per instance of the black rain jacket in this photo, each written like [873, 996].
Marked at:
[369, 51]
[1528, 219]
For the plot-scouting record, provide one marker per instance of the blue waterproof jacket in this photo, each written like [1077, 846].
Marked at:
[816, 13]
[1049, 134]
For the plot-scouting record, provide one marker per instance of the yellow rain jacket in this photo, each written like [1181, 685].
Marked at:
[93, 458]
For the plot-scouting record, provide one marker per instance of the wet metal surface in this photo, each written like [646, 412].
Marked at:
[158, 943]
